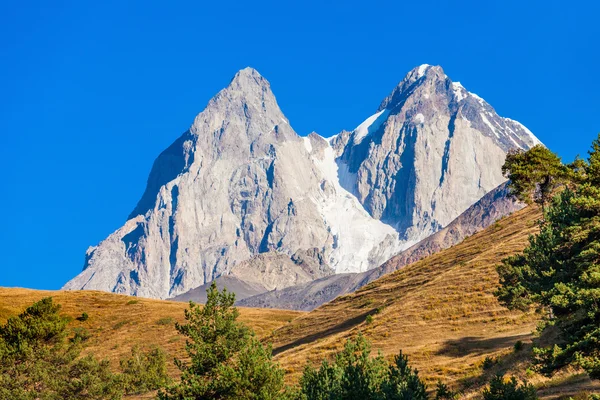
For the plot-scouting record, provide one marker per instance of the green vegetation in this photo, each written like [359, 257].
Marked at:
[83, 317]
[518, 346]
[534, 174]
[443, 392]
[488, 363]
[143, 372]
[39, 361]
[560, 269]
[500, 389]
[354, 374]
[226, 360]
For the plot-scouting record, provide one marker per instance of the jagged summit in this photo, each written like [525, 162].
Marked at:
[248, 77]
[241, 194]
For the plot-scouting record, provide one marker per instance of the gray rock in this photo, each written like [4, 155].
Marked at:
[431, 150]
[240, 194]
[306, 297]
[241, 289]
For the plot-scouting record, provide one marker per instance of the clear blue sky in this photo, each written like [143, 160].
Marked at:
[92, 91]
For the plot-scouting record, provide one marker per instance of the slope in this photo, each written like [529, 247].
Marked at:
[307, 296]
[440, 311]
[117, 323]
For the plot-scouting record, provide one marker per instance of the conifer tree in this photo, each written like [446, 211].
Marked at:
[499, 389]
[37, 361]
[355, 374]
[226, 361]
[560, 271]
[534, 174]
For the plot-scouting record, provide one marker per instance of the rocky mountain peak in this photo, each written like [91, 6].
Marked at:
[422, 75]
[240, 183]
[247, 79]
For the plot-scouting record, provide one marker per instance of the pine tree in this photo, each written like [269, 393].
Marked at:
[403, 382]
[226, 361]
[37, 361]
[509, 390]
[534, 174]
[560, 271]
[355, 375]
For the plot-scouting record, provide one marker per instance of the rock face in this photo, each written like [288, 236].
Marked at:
[431, 150]
[308, 296]
[241, 194]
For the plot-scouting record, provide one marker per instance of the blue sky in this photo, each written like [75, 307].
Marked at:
[92, 92]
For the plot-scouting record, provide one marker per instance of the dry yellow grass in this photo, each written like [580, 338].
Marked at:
[117, 323]
[441, 311]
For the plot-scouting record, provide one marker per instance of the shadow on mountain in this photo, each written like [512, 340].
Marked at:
[348, 324]
[479, 345]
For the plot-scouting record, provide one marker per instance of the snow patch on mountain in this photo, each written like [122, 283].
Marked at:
[370, 125]
[535, 140]
[459, 91]
[307, 144]
[488, 123]
[422, 69]
[343, 213]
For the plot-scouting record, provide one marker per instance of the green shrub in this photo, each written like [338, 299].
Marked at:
[143, 372]
[488, 363]
[131, 302]
[81, 334]
[443, 392]
[83, 317]
[226, 360]
[369, 319]
[38, 360]
[354, 374]
[518, 346]
[120, 324]
[510, 390]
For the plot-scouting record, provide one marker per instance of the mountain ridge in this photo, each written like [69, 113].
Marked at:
[240, 183]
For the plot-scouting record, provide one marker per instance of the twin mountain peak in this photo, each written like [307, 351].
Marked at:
[241, 195]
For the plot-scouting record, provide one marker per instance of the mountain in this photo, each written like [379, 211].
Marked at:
[241, 194]
[307, 296]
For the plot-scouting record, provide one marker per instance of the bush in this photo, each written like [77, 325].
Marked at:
[226, 361]
[165, 321]
[488, 363]
[143, 372]
[510, 390]
[518, 346]
[369, 320]
[443, 392]
[83, 317]
[81, 335]
[37, 360]
[354, 374]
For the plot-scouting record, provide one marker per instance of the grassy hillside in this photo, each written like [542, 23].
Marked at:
[440, 311]
[117, 323]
